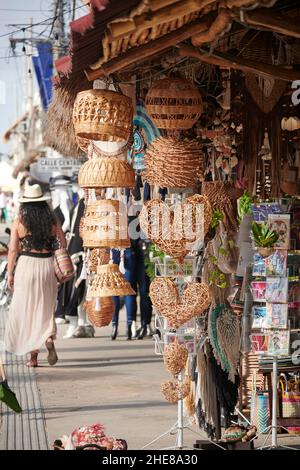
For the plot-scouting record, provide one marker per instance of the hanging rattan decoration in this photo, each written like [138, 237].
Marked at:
[175, 357]
[105, 225]
[174, 103]
[228, 330]
[82, 143]
[100, 311]
[173, 391]
[102, 115]
[104, 170]
[175, 232]
[223, 196]
[97, 257]
[110, 282]
[173, 163]
[195, 300]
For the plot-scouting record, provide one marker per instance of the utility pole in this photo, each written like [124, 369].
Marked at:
[58, 32]
[29, 71]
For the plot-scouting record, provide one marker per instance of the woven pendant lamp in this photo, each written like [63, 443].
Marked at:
[105, 225]
[109, 282]
[100, 311]
[106, 172]
[174, 103]
[102, 115]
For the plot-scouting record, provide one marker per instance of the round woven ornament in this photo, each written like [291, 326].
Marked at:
[173, 392]
[173, 163]
[174, 103]
[100, 311]
[175, 357]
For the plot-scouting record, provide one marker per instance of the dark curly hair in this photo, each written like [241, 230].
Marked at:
[38, 219]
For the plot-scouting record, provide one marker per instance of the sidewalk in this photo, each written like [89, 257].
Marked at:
[114, 382]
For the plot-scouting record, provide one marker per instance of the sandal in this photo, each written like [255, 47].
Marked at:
[33, 360]
[52, 356]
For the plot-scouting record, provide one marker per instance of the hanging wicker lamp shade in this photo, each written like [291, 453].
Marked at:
[174, 103]
[109, 282]
[106, 172]
[105, 225]
[97, 257]
[102, 115]
[100, 311]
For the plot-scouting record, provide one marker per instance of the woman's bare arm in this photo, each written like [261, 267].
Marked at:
[12, 253]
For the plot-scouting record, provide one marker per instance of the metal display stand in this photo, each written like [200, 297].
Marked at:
[272, 430]
[167, 268]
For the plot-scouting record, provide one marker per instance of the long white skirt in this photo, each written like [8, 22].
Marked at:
[31, 316]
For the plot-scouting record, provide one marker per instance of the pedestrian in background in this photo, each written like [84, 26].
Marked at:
[34, 237]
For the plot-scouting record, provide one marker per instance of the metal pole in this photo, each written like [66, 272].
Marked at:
[274, 404]
[180, 416]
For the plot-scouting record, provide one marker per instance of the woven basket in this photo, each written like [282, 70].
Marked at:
[100, 312]
[102, 115]
[173, 163]
[107, 172]
[109, 282]
[174, 103]
[105, 225]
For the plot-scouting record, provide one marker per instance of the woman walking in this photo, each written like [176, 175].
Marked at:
[34, 237]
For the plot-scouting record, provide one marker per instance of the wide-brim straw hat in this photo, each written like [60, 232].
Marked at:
[33, 193]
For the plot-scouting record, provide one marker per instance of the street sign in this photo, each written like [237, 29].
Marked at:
[46, 168]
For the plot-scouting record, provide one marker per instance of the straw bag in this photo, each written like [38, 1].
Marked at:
[260, 412]
[63, 266]
[290, 397]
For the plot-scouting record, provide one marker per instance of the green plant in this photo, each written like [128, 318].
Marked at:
[263, 236]
[153, 252]
[216, 277]
[244, 205]
[216, 218]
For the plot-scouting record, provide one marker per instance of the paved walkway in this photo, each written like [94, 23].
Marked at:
[116, 383]
[27, 430]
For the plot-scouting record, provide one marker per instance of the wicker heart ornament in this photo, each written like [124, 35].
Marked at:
[176, 231]
[195, 300]
[175, 357]
[174, 391]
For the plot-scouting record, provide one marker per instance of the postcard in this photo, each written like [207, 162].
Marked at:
[281, 224]
[259, 317]
[279, 342]
[276, 316]
[259, 265]
[259, 343]
[258, 291]
[277, 289]
[276, 263]
[262, 211]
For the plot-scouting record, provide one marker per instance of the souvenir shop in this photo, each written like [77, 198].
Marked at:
[179, 115]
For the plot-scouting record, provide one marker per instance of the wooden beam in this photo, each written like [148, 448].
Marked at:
[152, 48]
[268, 19]
[121, 29]
[219, 26]
[225, 60]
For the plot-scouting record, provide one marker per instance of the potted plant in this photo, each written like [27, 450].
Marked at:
[264, 238]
